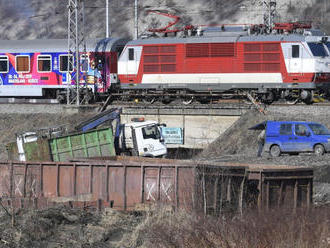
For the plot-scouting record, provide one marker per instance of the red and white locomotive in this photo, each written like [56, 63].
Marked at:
[293, 62]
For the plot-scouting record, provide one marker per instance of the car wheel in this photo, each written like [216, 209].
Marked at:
[318, 150]
[275, 151]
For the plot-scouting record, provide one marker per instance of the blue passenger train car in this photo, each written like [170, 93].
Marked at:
[39, 68]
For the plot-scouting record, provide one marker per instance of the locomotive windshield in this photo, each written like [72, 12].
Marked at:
[318, 49]
[328, 45]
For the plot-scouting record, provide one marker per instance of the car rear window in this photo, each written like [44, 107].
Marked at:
[286, 129]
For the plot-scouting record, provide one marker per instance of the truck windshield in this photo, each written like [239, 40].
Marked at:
[151, 132]
[319, 129]
[317, 49]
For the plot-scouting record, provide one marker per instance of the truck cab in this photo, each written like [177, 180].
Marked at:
[295, 137]
[142, 139]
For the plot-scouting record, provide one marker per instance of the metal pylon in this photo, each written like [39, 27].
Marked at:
[76, 43]
[270, 13]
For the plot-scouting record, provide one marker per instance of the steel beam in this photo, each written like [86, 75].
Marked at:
[76, 44]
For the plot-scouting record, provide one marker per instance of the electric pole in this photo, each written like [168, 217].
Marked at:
[107, 18]
[76, 43]
[270, 13]
[136, 36]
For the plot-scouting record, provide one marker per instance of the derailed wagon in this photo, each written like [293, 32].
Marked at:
[129, 183]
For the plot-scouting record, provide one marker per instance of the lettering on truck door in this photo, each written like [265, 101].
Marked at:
[151, 136]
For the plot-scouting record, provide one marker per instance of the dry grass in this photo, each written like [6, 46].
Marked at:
[278, 228]
[64, 227]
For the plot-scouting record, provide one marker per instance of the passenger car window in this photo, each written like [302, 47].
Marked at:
[301, 130]
[23, 63]
[295, 51]
[150, 132]
[4, 64]
[64, 63]
[286, 129]
[44, 63]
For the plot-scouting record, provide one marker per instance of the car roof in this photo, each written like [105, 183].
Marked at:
[263, 124]
[294, 122]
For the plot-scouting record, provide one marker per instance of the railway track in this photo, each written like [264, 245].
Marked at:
[176, 104]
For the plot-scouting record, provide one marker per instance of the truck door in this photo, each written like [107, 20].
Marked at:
[148, 140]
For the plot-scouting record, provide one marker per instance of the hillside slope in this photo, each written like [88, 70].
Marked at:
[31, 19]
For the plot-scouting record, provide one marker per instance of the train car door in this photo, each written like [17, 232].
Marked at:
[295, 61]
[134, 56]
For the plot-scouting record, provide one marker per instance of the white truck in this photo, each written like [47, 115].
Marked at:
[142, 139]
[138, 138]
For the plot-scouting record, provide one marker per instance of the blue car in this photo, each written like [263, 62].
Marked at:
[294, 137]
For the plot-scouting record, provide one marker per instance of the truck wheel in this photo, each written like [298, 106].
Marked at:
[275, 151]
[318, 150]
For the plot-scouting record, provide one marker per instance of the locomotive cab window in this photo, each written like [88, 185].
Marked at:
[65, 66]
[84, 63]
[130, 53]
[23, 63]
[4, 64]
[295, 51]
[44, 63]
[328, 45]
[317, 49]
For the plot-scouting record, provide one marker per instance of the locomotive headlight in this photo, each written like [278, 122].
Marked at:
[328, 140]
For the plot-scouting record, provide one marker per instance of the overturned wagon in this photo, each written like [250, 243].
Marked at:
[279, 185]
[123, 184]
[131, 183]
